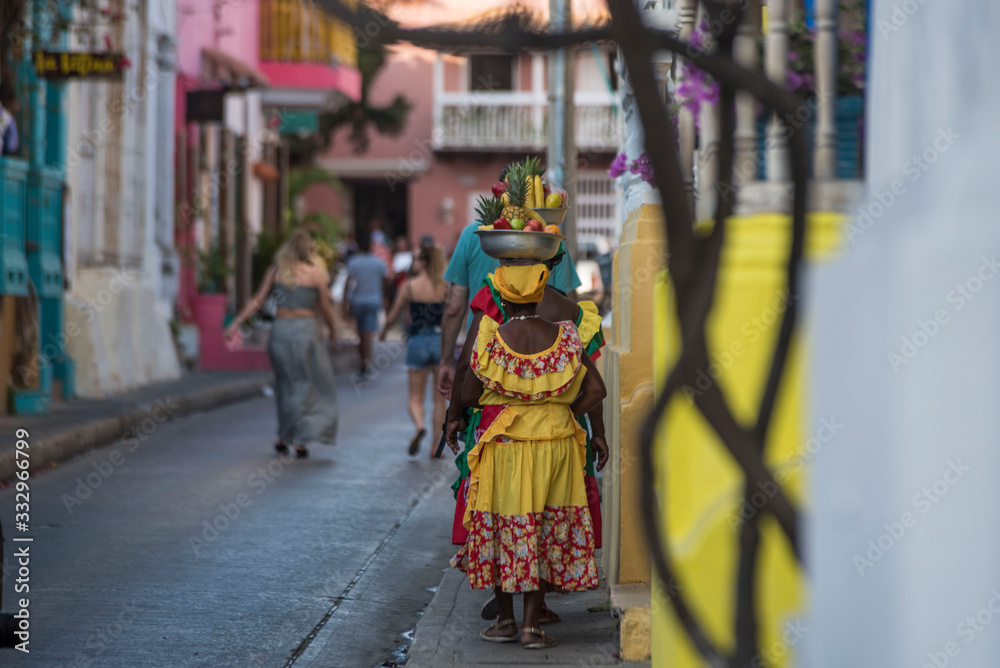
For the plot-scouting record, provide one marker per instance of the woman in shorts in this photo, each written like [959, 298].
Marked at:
[423, 294]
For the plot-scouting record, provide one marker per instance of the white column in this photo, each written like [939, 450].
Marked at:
[685, 121]
[745, 52]
[708, 163]
[904, 357]
[540, 102]
[254, 190]
[825, 157]
[167, 270]
[776, 68]
[437, 132]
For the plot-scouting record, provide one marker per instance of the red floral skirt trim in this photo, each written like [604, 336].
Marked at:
[517, 552]
[459, 534]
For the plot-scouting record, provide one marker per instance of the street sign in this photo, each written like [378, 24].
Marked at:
[72, 65]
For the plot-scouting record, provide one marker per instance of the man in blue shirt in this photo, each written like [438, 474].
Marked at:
[466, 274]
[366, 276]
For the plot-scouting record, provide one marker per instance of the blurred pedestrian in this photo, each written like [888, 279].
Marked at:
[9, 140]
[424, 296]
[366, 278]
[379, 244]
[402, 260]
[305, 385]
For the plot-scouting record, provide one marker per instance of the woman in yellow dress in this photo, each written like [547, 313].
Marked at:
[527, 513]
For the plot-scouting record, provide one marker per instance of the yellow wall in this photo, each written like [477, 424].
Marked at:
[700, 486]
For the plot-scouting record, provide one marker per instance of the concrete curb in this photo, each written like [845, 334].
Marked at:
[433, 625]
[103, 431]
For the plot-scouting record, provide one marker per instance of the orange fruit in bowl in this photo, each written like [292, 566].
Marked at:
[552, 229]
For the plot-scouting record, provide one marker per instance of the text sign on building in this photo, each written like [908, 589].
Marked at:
[69, 65]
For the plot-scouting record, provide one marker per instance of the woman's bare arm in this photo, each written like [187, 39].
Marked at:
[403, 298]
[322, 284]
[462, 367]
[453, 421]
[255, 302]
[472, 390]
[597, 439]
[592, 391]
[456, 303]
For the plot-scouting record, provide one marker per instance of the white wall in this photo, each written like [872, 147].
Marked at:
[161, 260]
[909, 366]
[592, 74]
[121, 180]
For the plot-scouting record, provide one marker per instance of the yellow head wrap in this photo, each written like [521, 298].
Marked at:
[521, 284]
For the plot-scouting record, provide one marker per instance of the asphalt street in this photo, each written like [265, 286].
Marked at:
[199, 546]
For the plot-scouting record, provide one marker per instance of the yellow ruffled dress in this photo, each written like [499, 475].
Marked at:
[527, 512]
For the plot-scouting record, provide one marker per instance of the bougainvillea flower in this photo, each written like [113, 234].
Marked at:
[618, 166]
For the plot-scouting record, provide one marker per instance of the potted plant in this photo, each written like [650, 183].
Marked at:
[210, 305]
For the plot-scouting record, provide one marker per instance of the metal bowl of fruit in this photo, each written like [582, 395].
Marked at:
[551, 216]
[520, 244]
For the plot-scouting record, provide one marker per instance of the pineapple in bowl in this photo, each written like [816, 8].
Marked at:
[519, 194]
[518, 197]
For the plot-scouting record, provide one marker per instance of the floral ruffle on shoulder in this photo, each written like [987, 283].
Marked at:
[526, 377]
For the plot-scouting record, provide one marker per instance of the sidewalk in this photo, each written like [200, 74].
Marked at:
[72, 428]
[448, 633]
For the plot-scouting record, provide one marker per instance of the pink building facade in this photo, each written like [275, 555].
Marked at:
[473, 113]
[247, 72]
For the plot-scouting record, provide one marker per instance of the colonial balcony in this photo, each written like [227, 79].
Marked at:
[518, 121]
[499, 102]
[831, 115]
[304, 50]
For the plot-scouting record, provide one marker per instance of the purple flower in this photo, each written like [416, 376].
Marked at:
[858, 80]
[618, 166]
[801, 81]
[644, 168]
[696, 88]
[793, 56]
[698, 35]
[685, 89]
[857, 38]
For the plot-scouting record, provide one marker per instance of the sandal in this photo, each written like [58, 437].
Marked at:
[301, 452]
[491, 608]
[496, 636]
[547, 616]
[415, 443]
[544, 641]
[281, 448]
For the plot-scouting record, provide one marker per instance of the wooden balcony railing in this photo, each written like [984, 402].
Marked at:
[299, 31]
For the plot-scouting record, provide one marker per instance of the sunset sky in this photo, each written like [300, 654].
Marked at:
[441, 11]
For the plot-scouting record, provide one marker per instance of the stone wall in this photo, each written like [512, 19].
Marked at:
[116, 333]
